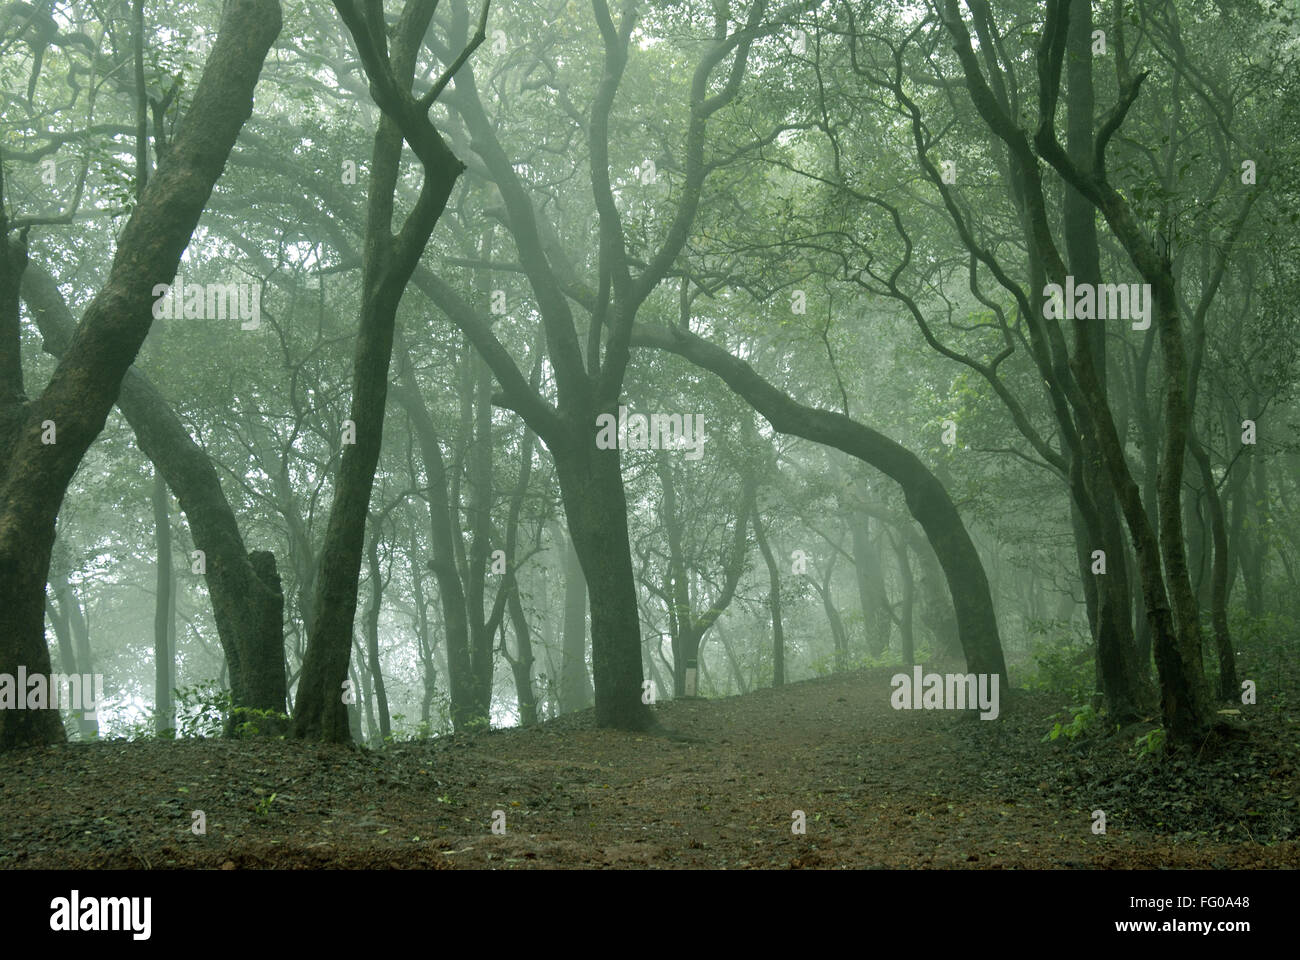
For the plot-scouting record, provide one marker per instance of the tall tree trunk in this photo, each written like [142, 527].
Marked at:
[264, 685]
[1252, 557]
[423, 635]
[773, 602]
[732, 662]
[164, 655]
[591, 486]
[63, 636]
[1117, 665]
[1236, 507]
[79, 617]
[1170, 600]
[388, 261]
[871, 585]
[353, 710]
[442, 561]
[908, 600]
[1199, 540]
[839, 637]
[477, 425]
[575, 682]
[1173, 633]
[1227, 686]
[1148, 429]
[521, 664]
[366, 693]
[374, 608]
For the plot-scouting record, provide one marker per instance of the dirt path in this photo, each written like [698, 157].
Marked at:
[878, 788]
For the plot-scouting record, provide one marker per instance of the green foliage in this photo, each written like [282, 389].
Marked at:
[1061, 663]
[144, 727]
[440, 713]
[822, 666]
[1152, 744]
[264, 805]
[201, 709]
[252, 722]
[1085, 718]
[402, 732]
[201, 712]
[865, 661]
[141, 728]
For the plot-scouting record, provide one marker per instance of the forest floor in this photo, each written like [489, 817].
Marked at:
[878, 788]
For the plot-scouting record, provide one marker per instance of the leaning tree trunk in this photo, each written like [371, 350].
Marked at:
[926, 498]
[521, 664]
[73, 635]
[242, 600]
[35, 472]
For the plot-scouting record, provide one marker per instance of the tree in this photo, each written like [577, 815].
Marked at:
[587, 387]
[387, 265]
[927, 500]
[42, 441]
